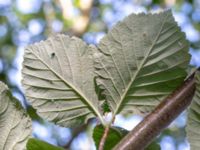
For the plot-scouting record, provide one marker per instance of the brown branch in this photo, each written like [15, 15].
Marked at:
[144, 133]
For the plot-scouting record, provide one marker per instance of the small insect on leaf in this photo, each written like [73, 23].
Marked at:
[53, 55]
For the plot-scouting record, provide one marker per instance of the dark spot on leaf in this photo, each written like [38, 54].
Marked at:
[53, 55]
[144, 34]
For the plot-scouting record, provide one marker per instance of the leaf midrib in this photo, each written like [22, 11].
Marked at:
[138, 70]
[73, 87]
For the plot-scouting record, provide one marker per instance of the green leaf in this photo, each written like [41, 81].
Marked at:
[58, 80]
[114, 136]
[193, 122]
[35, 144]
[141, 61]
[15, 125]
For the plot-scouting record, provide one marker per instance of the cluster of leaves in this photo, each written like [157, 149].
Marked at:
[135, 66]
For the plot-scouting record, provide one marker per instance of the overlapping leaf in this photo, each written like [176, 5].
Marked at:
[58, 80]
[140, 61]
[15, 125]
[35, 144]
[114, 136]
[193, 123]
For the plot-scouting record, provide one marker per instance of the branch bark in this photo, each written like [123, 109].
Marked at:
[144, 133]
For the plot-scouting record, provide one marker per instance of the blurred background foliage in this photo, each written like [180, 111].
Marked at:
[24, 22]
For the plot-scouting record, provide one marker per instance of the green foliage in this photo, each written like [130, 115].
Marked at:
[135, 66]
[114, 136]
[35, 144]
[140, 61]
[58, 74]
[15, 125]
[193, 123]
[58, 80]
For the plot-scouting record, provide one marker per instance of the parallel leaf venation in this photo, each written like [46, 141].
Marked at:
[15, 125]
[193, 122]
[139, 58]
[58, 74]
